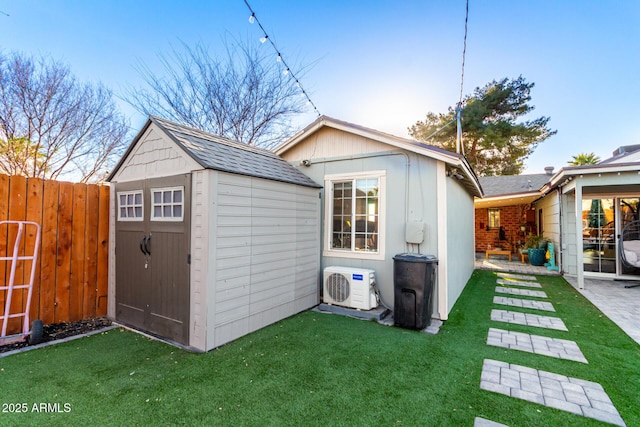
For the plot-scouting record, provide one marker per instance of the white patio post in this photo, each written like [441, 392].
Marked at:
[578, 225]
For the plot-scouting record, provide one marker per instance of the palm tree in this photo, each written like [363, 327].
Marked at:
[584, 159]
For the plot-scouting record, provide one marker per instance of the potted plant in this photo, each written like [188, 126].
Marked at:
[536, 247]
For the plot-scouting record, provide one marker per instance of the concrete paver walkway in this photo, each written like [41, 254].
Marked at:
[521, 292]
[552, 347]
[513, 282]
[524, 303]
[516, 276]
[527, 319]
[515, 266]
[574, 395]
[620, 304]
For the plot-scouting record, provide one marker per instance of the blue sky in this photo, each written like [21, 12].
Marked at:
[381, 64]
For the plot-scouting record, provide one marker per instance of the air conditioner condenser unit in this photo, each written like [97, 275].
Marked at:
[350, 287]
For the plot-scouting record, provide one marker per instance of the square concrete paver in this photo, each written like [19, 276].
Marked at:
[524, 303]
[620, 304]
[545, 346]
[527, 319]
[481, 422]
[521, 292]
[512, 282]
[517, 276]
[573, 395]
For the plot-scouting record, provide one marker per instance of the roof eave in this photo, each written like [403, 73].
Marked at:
[394, 141]
[133, 143]
[572, 171]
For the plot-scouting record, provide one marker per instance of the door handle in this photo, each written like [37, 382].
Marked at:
[142, 245]
[146, 244]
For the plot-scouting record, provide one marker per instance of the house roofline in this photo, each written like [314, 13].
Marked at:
[435, 153]
[572, 171]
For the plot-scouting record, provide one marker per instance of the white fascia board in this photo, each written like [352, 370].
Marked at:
[590, 170]
[526, 196]
[392, 140]
[295, 139]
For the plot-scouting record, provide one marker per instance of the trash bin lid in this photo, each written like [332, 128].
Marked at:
[412, 257]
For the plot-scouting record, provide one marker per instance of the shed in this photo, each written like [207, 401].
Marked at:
[408, 196]
[213, 238]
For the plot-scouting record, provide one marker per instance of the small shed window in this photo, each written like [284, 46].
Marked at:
[494, 218]
[356, 213]
[130, 206]
[167, 204]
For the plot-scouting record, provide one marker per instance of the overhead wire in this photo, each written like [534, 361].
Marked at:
[459, 145]
[464, 50]
[287, 70]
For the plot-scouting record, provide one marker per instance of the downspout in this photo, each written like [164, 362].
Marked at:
[561, 237]
[443, 279]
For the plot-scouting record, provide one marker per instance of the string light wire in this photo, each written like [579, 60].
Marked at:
[287, 70]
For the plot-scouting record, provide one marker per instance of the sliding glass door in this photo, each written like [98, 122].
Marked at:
[628, 208]
[598, 235]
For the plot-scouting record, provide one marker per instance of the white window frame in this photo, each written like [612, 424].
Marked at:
[134, 205]
[329, 180]
[492, 219]
[153, 205]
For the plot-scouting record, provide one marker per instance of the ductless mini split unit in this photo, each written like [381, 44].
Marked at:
[350, 287]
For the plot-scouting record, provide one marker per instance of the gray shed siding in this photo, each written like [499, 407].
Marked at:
[460, 240]
[263, 254]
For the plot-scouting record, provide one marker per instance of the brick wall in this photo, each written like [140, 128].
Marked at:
[511, 218]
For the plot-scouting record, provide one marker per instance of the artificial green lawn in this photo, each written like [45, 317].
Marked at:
[320, 369]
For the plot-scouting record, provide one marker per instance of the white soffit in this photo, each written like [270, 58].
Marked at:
[507, 200]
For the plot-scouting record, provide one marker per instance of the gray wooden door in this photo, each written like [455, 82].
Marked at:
[152, 255]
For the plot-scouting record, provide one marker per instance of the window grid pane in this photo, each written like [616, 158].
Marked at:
[130, 206]
[168, 204]
[355, 215]
[493, 218]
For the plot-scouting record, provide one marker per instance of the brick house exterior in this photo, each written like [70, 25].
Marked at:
[512, 218]
[512, 198]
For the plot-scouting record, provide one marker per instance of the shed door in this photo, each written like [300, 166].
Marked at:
[152, 255]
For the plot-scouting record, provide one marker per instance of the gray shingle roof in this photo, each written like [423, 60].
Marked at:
[219, 153]
[512, 184]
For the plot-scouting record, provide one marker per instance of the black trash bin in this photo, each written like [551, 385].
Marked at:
[413, 280]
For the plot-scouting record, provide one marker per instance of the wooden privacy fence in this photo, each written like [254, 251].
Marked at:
[70, 280]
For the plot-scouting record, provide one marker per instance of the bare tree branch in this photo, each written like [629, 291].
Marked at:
[243, 96]
[52, 125]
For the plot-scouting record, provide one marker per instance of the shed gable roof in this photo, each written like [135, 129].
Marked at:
[219, 153]
[455, 160]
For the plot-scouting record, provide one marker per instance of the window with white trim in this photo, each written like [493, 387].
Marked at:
[167, 204]
[355, 216]
[493, 218]
[130, 206]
